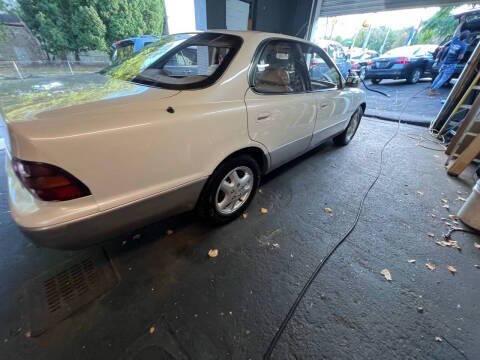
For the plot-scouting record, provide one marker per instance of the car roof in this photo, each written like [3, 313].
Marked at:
[253, 35]
[468, 12]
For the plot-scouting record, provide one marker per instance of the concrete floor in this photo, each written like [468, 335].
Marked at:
[230, 306]
[421, 110]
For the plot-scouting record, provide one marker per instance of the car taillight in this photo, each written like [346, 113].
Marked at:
[49, 182]
[403, 60]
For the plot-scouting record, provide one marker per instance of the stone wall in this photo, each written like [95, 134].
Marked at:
[19, 44]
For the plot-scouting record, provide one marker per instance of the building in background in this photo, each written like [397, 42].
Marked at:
[280, 16]
[17, 42]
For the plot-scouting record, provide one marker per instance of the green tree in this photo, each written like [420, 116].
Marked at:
[394, 39]
[64, 26]
[2, 30]
[440, 26]
[89, 30]
[125, 18]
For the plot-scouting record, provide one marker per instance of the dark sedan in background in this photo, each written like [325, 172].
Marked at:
[407, 62]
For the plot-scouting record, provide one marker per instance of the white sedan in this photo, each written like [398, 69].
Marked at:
[191, 122]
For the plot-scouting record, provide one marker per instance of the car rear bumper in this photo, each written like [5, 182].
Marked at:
[107, 225]
[385, 74]
[81, 228]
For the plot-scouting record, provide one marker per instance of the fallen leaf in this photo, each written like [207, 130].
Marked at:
[169, 232]
[430, 266]
[461, 199]
[151, 330]
[419, 193]
[276, 245]
[449, 243]
[264, 211]
[445, 201]
[453, 217]
[412, 261]
[328, 210]
[433, 215]
[446, 206]
[244, 215]
[452, 269]
[477, 245]
[386, 274]
[438, 339]
[431, 235]
[213, 253]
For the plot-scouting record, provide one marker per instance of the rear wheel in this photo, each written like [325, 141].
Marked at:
[229, 190]
[414, 76]
[347, 135]
[375, 81]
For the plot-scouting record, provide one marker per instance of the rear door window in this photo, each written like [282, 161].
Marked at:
[280, 68]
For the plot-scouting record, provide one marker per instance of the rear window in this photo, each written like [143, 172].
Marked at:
[181, 61]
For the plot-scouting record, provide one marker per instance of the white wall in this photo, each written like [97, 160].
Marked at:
[180, 15]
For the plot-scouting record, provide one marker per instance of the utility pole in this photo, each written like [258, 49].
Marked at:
[365, 43]
[384, 41]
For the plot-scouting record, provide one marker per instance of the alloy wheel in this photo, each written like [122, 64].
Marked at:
[234, 190]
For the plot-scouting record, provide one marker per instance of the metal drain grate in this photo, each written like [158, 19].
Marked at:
[56, 294]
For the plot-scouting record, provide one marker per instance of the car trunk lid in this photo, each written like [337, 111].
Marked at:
[68, 106]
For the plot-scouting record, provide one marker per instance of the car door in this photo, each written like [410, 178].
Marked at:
[281, 111]
[332, 101]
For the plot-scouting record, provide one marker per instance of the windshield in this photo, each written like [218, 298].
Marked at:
[408, 51]
[181, 61]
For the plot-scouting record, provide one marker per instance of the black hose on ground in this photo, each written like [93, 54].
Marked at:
[373, 90]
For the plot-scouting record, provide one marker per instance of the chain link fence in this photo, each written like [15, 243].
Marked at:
[10, 70]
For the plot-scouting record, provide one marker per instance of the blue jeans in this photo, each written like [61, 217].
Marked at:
[446, 72]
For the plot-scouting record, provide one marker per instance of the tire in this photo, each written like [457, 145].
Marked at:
[347, 135]
[213, 204]
[375, 81]
[414, 76]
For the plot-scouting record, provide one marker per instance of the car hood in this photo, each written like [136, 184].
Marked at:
[34, 100]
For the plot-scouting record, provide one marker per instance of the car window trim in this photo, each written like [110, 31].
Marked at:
[256, 57]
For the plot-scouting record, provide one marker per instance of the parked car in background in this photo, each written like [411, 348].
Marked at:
[125, 48]
[472, 23]
[337, 53]
[360, 59]
[407, 62]
[145, 140]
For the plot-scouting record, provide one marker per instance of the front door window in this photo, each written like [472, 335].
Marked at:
[322, 71]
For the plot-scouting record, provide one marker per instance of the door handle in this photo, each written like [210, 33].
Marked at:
[264, 116]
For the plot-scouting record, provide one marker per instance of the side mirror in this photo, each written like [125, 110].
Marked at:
[352, 81]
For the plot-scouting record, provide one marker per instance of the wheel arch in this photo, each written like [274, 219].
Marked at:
[256, 153]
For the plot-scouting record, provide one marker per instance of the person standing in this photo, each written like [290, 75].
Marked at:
[454, 54]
